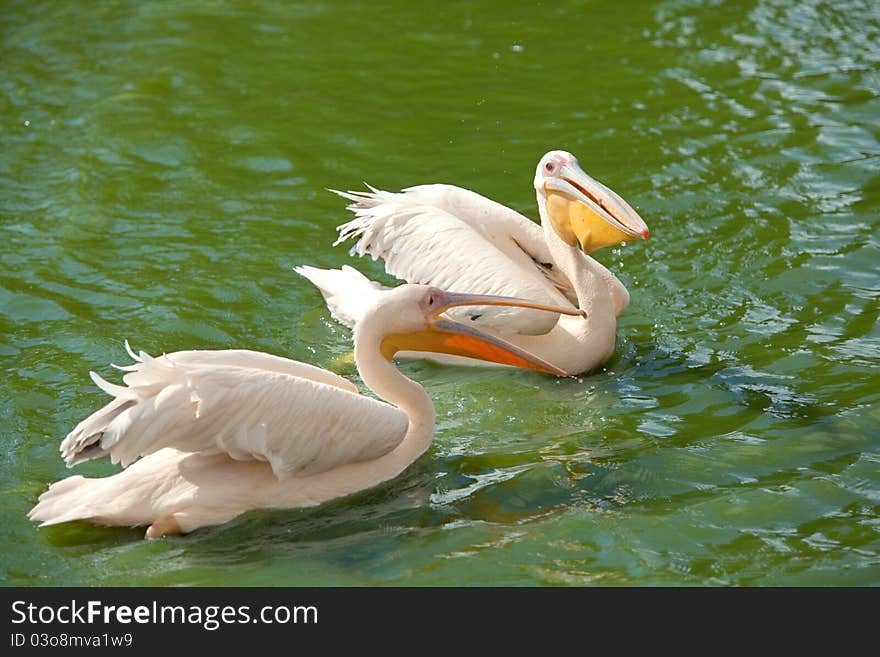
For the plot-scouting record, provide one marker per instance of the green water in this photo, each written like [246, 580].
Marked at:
[163, 166]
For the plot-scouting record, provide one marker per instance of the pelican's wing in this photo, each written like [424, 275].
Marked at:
[251, 405]
[460, 241]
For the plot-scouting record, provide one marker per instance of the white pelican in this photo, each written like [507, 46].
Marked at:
[454, 238]
[207, 435]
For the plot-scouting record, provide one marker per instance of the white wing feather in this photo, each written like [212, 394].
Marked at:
[458, 240]
[250, 405]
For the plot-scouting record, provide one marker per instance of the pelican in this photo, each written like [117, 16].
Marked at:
[454, 238]
[204, 436]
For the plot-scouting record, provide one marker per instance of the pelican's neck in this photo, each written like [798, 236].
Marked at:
[580, 270]
[389, 384]
[383, 378]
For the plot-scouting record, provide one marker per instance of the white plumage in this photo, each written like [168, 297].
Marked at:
[454, 238]
[207, 435]
[246, 404]
[348, 293]
[458, 240]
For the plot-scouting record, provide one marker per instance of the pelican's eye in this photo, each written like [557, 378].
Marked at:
[550, 167]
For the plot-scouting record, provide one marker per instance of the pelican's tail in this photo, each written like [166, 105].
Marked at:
[64, 501]
[348, 292]
[169, 490]
[124, 499]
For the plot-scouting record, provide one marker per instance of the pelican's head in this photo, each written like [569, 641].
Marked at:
[411, 317]
[582, 210]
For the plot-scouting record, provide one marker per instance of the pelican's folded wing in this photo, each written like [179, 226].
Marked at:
[460, 241]
[299, 418]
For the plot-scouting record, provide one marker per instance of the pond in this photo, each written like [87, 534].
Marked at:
[164, 166]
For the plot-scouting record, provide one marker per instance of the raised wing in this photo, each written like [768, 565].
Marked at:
[251, 405]
[458, 240]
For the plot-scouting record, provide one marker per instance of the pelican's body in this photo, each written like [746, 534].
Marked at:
[207, 435]
[451, 237]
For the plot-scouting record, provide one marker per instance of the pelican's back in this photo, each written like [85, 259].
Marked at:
[458, 240]
[299, 418]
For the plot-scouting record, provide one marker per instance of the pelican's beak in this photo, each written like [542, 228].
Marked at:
[584, 211]
[447, 336]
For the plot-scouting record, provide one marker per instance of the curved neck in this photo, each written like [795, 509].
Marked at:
[383, 378]
[577, 268]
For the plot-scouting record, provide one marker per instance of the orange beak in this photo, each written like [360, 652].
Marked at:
[446, 336]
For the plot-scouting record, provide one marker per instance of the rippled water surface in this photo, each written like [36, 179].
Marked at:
[164, 165]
